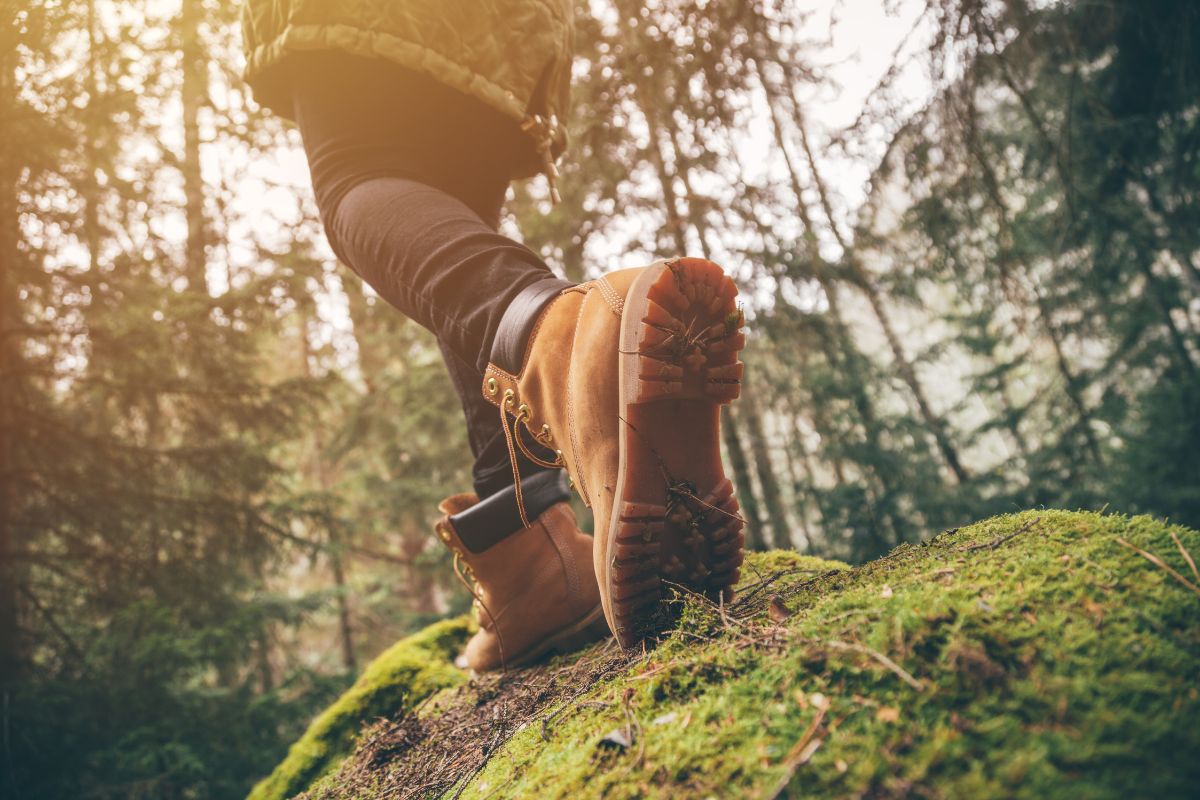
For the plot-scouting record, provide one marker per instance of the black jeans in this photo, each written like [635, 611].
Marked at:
[410, 178]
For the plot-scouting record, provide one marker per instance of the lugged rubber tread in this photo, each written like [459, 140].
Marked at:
[676, 524]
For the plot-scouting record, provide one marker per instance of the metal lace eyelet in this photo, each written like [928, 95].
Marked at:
[546, 437]
[508, 397]
[523, 410]
[492, 386]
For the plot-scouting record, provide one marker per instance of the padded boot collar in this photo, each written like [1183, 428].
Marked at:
[512, 335]
[495, 518]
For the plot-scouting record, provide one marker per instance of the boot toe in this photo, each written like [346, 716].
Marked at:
[482, 653]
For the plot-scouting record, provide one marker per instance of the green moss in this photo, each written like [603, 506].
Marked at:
[1056, 663]
[760, 565]
[1048, 661]
[393, 683]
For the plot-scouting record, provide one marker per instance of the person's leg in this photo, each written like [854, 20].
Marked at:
[434, 259]
[410, 178]
[625, 374]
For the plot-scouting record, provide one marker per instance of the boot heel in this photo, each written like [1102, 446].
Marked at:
[591, 628]
[690, 336]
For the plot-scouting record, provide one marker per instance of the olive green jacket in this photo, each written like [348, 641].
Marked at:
[514, 55]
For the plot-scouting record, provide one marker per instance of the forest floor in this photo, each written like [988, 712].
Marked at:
[1046, 653]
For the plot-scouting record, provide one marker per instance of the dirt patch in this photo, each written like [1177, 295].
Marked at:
[443, 743]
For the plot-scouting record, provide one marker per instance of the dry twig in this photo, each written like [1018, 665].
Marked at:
[800, 753]
[1158, 562]
[900, 671]
[633, 728]
[999, 540]
[1186, 556]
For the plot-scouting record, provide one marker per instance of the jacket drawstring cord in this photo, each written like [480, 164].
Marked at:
[543, 131]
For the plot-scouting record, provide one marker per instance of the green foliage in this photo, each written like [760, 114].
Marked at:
[126, 738]
[394, 683]
[1052, 183]
[145, 493]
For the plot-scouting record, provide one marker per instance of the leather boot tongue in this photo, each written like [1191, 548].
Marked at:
[495, 518]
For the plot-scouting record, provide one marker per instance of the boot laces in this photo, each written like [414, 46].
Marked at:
[466, 576]
[513, 434]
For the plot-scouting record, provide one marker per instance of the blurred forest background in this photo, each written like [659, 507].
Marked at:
[220, 454]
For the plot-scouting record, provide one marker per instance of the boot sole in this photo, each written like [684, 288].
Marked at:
[675, 520]
[587, 629]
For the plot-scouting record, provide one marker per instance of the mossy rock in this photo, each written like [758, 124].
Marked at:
[1030, 655]
[394, 683]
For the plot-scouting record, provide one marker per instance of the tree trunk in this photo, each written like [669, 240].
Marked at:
[335, 552]
[675, 223]
[12, 650]
[849, 354]
[369, 361]
[345, 625]
[266, 672]
[1071, 388]
[90, 188]
[801, 489]
[772, 498]
[936, 425]
[741, 479]
[193, 97]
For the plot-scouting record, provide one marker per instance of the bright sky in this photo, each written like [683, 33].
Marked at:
[863, 37]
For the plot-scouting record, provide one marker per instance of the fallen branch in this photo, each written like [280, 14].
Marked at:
[800, 753]
[1158, 562]
[497, 740]
[1186, 556]
[633, 727]
[999, 540]
[900, 671]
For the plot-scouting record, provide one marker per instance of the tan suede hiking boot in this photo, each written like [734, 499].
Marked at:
[534, 587]
[623, 378]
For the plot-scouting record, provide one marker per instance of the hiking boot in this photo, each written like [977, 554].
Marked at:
[533, 584]
[622, 378]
